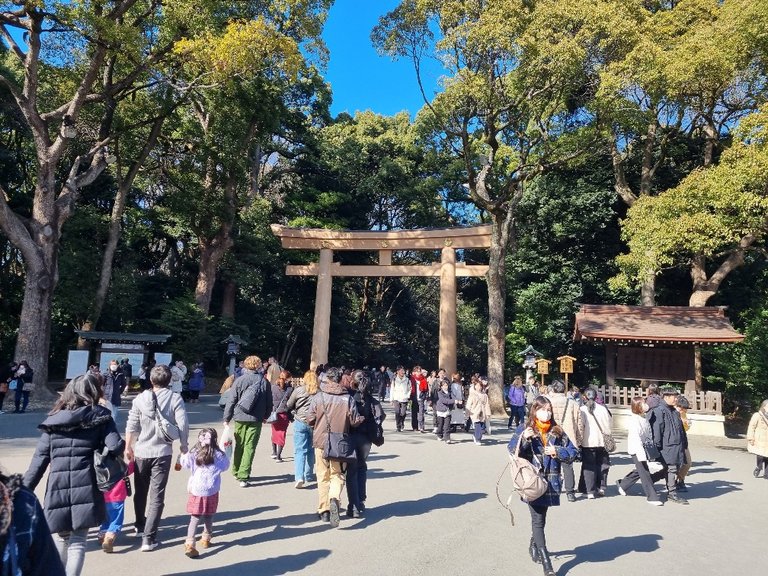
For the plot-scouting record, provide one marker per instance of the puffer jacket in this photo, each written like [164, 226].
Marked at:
[69, 439]
[565, 411]
[566, 452]
[262, 406]
[401, 389]
[592, 435]
[758, 431]
[332, 407]
[444, 402]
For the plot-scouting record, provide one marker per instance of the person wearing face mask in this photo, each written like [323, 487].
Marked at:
[638, 437]
[595, 420]
[114, 384]
[546, 445]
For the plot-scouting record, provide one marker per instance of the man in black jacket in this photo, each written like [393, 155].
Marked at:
[670, 438]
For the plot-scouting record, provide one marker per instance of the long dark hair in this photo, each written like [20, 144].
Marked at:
[81, 391]
[206, 447]
[538, 403]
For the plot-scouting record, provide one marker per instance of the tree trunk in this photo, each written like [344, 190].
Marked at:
[211, 254]
[648, 290]
[500, 234]
[228, 300]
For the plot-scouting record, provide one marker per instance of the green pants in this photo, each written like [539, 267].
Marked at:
[246, 439]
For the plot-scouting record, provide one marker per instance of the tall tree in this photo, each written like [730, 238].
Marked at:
[518, 76]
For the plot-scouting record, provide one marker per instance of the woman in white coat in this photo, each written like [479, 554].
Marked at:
[638, 436]
[596, 421]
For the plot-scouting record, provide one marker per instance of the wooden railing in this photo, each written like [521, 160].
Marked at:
[702, 402]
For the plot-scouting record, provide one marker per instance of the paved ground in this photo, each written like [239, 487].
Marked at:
[433, 511]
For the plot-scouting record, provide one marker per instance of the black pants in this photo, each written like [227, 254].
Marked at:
[444, 427]
[538, 522]
[382, 390]
[2, 399]
[592, 460]
[357, 472]
[761, 463]
[647, 479]
[150, 480]
[194, 394]
[21, 399]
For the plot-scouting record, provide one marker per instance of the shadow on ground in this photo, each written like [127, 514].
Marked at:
[606, 550]
[263, 567]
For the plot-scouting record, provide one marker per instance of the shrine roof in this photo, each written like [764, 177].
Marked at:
[123, 337]
[654, 325]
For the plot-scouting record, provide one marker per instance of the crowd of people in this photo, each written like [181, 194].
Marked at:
[17, 380]
[337, 417]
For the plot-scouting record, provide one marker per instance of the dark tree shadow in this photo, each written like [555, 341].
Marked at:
[409, 508]
[711, 489]
[606, 550]
[382, 457]
[379, 473]
[277, 566]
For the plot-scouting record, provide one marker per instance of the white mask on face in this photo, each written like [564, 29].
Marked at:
[543, 415]
[113, 367]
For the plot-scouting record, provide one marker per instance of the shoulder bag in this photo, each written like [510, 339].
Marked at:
[110, 469]
[338, 445]
[167, 430]
[528, 481]
[608, 441]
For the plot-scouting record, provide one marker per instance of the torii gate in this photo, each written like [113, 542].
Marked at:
[447, 240]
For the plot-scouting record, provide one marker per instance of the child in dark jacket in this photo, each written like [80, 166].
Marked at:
[443, 409]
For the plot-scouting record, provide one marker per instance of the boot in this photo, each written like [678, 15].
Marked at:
[546, 563]
[533, 550]
[189, 549]
[205, 541]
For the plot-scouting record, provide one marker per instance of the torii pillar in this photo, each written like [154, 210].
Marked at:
[447, 240]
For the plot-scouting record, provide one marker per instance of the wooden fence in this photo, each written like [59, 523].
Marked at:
[701, 402]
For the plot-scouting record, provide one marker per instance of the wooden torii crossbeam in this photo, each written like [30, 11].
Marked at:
[447, 240]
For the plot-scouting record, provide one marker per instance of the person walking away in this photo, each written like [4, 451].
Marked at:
[24, 386]
[400, 394]
[114, 500]
[303, 453]
[332, 410]
[273, 370]
[443, 407]
[281, 392]
[595, 420]
[152, 452]
[382, 382]
[419, 392]
[196, 383]
[114, 384]
[566, 412]
[75, 428]
[249, 402]
[479, 410]
[682, 405]
[144, 383]
[757, 440]
[178, 373]
[516, 398]
[206, 461]
[638, 436]
[546, 446]
[669, 438]
[25, 539]
[362, 437]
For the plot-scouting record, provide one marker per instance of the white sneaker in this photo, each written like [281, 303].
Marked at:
[476, 441]
[149, 546]
[299, 484]
[655, 502]
[590, 496]
[621, 490]
[244, 484]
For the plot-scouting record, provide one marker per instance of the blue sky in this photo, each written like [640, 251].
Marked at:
[360, 78]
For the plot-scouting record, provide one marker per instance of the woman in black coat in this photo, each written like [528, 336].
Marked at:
[76, 427]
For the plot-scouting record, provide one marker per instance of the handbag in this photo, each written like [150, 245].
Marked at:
[110, 469]
[338, 445]
[167, 430]
[608, 441]
[272, 417]
[651, 452]
[12, 384]
[527, 480]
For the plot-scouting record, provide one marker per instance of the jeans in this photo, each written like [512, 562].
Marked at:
[71, 547]
[400, 409]
[115, 517]
[246, 439]
[21, 398]
[330, 481]
[538, 523]
[150, 480]
[516, 413]
[479, 430]
[357, 472]
[303, 453]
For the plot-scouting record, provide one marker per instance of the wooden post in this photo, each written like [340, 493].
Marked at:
[322, 324]
[447, 352]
